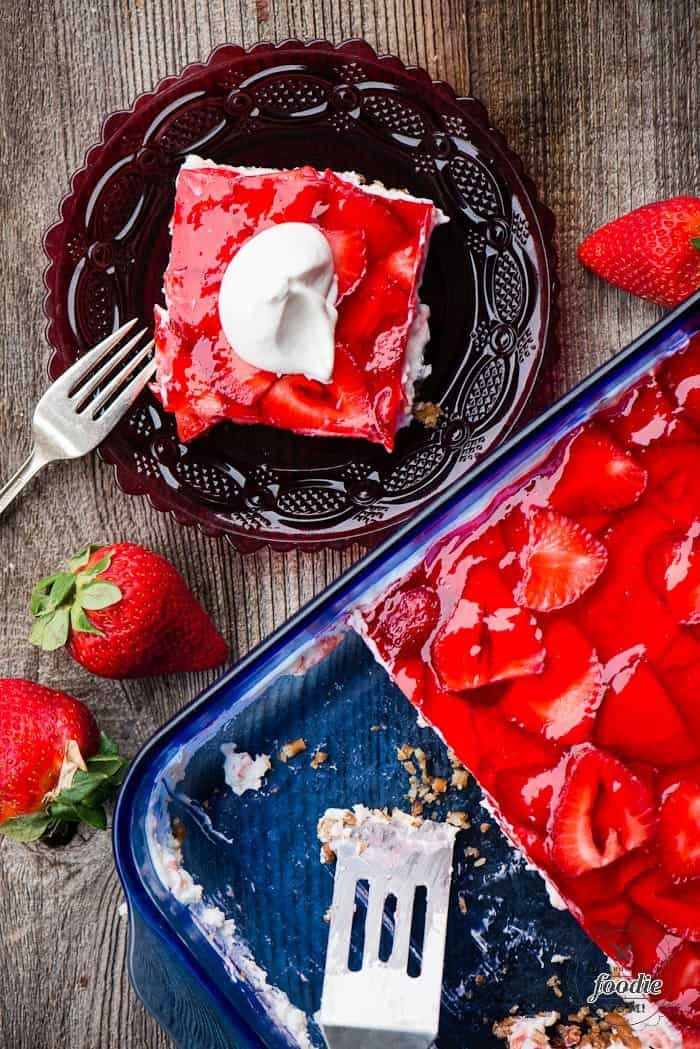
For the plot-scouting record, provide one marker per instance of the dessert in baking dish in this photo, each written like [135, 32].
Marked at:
[292, 300]
[556, 649]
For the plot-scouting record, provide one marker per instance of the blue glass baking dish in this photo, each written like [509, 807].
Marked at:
[226, 893]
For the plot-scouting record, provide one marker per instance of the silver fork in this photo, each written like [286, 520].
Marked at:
[84, 405]
[382, 1005]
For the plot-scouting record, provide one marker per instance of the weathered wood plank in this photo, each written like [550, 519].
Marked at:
[599, 99]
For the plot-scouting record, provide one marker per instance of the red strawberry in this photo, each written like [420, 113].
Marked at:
[525, 795]
[680, 376]
[401, 266]
[602, 812]
[487, 638]
[674, 568]
[349, 258]
[409, 674]
[604, 613]
[381, 224]
[561, 561]
[295, 402]
[676, 906]
[679, 830]
[561, 701]
[378, 305]
[674, 480]
[646, 415]
[55, 768]
[653, 251]
[639, 722]
[647, 944]
[406, 619]
[597, 475]
[681, 990]
[124, 612]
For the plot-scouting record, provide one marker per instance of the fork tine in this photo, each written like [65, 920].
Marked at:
[108, 420]
[84, 392]
[68, 379]
[106, 393]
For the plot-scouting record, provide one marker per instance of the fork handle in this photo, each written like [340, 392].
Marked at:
[31, 465]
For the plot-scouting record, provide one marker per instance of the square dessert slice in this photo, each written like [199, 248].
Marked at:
[556, 649]
[292, 300]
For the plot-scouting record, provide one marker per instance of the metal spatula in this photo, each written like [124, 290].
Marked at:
[383, 864]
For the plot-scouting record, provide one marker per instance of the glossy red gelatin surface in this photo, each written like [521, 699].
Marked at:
[379, 245]
[556, 649]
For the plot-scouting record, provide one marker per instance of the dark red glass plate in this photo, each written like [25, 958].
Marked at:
[490, 282]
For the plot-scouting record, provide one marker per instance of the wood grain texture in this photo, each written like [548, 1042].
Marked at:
[600, 99]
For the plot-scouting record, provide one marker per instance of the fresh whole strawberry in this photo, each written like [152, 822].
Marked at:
[56, 768]
[653, 251]
[124, 612]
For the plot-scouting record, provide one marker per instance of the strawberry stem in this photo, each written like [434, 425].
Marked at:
[59, 602]
[81, 802]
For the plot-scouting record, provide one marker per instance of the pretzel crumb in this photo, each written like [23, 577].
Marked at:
[428, 413]
[555, 984]
[319, 758]
[290, 750]
[327, 854]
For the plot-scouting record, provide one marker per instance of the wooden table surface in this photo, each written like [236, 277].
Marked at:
[601, 100]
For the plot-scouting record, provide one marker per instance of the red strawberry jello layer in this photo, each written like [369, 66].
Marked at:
[556, 649]
[379, 241]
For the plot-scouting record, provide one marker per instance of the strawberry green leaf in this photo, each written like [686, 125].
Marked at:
[80, 559]
[56, 626]
[108, 747]
[26, 828]
[87, 575]
[92, 814]
[61, 588]
[100, 595]
[36, 634]
[80, 622]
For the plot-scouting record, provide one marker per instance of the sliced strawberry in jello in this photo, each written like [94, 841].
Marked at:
[597, 475]
[401, 265]
[647, 414]
[675, 904]
[561, 701]
[673, 480]
[648, 945]
[681, 989]
[349, 257]
[406, 619]
[602, 812]
[638, 720]
[488, 637]
[679, 830]
[674, 567]
[305, 406]
[561, 561]
[624, 610]
[680, 376]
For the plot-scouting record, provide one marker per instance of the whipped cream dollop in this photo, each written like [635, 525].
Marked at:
[277, 301]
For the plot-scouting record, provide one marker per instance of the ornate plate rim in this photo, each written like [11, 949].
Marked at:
[358, 48]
